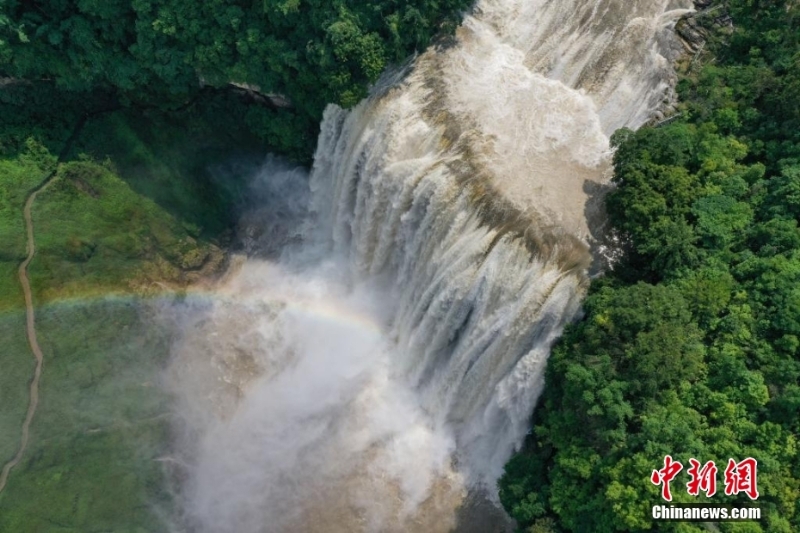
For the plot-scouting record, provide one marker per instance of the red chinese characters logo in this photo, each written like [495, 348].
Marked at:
[703, 479]
[740, 477]
[665, 475]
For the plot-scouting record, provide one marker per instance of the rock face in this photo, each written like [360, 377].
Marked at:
[694, 28]
[692, 34]
[693, 31]
[4, 81]
[255, 92]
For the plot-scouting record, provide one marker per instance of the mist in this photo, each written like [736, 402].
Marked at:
[290, 414]
[371, 361]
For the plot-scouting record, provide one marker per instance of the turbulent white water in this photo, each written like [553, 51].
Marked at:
[390, 363]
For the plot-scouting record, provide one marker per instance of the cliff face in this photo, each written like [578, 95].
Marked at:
[693, 29]
[254, 92]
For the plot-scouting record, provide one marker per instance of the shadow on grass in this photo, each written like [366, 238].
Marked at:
[189, 164]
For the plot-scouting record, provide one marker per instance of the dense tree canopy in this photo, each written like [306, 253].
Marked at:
[159, 53]
[691, 345]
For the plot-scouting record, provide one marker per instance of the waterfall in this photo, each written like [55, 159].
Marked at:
[378, 371]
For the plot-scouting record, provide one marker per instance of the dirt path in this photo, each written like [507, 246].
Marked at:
[31, 331]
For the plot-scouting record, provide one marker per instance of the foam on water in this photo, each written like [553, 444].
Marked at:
[448, 244]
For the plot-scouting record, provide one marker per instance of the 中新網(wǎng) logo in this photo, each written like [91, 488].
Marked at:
[739, 477]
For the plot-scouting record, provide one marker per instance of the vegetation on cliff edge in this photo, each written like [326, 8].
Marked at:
[160, 53]
[691, 345]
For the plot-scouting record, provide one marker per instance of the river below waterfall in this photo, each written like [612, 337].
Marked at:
[375, 361]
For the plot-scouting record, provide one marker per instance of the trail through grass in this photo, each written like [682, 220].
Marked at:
[30, 332]
[127, 215]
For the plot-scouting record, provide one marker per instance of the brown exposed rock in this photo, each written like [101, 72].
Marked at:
[691, 33]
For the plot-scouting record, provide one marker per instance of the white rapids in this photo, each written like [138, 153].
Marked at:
[389, 364]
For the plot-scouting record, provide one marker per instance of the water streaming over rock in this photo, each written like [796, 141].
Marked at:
[390, 363]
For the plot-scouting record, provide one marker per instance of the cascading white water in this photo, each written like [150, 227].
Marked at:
[390, 363]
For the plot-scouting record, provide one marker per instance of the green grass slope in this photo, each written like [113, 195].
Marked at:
[133, 212]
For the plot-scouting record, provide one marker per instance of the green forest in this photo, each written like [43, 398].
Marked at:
[161, 54]
[691, 345]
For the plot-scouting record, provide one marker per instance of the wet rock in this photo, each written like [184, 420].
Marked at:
[691, 33]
